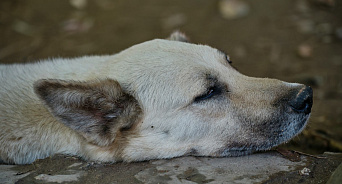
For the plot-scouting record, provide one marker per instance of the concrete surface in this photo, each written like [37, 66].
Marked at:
[269, 167]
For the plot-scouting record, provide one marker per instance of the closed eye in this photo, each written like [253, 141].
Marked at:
[228, 59]
[212, 91]
[226, 56]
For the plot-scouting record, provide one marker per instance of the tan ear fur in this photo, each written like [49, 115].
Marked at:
[96, 109]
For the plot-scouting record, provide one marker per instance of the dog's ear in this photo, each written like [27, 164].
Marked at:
[98, 110]
[178, 36]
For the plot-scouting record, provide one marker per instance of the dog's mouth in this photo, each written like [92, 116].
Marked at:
[241, 149]
[265, 138]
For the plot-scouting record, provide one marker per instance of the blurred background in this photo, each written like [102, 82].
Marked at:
[292, 40]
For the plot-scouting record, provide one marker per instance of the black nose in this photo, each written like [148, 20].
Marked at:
[302, 103]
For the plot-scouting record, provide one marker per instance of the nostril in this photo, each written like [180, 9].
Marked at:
[302, 103]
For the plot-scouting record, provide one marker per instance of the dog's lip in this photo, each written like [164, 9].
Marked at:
[241, 149]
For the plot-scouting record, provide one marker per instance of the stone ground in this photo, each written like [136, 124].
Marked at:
[292, 40]
[269, 167]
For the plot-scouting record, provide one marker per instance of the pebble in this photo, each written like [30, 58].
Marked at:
[338, 33]
[324, 29]
[304, 51]
[305, 172]
[233, 9]
[23, 27]
[77, 26]
[306, 26]
[79, 4]
[174, 21]
[302, 6]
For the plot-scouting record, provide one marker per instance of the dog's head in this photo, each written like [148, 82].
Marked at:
[191, 102]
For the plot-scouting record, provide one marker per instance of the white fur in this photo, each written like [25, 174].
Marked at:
[165, 77]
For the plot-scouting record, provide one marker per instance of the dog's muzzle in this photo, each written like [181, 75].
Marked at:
[302, 103]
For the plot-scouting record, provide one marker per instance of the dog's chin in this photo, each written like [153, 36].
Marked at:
[285, 134]
[245, 150]
[276, 138]
[302, 123]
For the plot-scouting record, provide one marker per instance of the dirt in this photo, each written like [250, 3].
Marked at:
[315, 167]
[292, 40]
[269, 167]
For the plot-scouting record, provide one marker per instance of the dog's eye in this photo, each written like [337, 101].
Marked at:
[228, 60]
[226, 56]
[210, 93]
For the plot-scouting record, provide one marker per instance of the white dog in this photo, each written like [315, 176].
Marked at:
[157, 99]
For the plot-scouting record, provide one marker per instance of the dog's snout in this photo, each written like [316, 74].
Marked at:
[302, 103]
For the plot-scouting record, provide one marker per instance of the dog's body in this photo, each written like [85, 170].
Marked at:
[158, 99]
